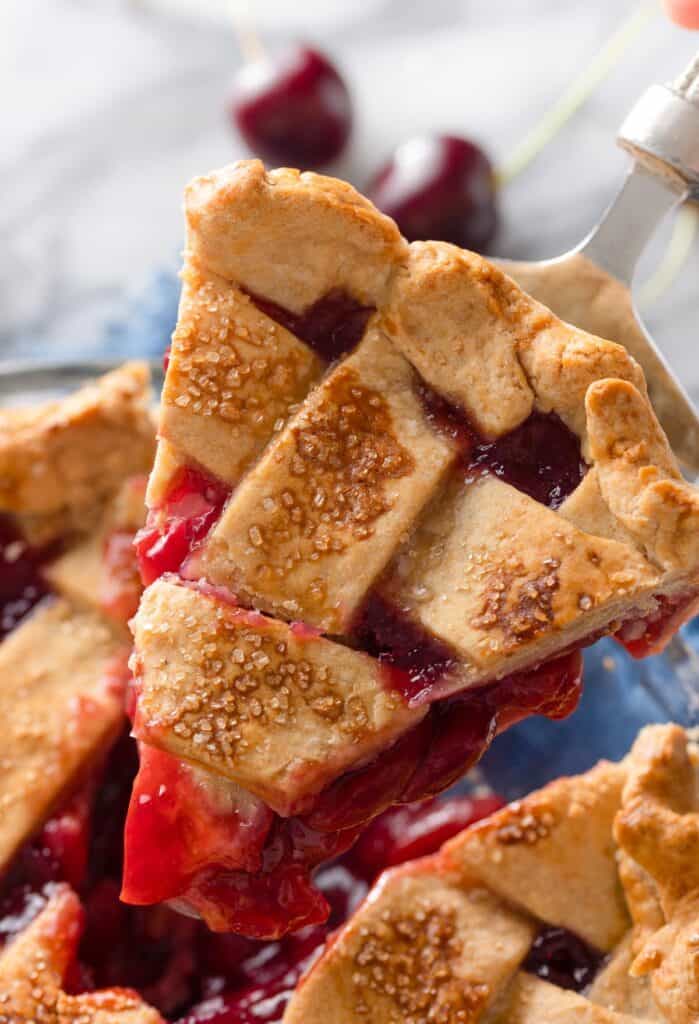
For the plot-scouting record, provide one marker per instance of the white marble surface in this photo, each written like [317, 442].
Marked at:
[109, 107]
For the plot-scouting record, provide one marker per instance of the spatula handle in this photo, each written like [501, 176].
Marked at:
[662, 130]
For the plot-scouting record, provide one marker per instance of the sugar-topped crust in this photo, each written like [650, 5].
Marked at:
[233, 375]
[276, 708]
[548, 860]
[33, 966]
[518, 850]
[290, 237]
[466, 328]
[60, 462]
[425, 949]
[315, 522]
[61, 704]
[345, 482]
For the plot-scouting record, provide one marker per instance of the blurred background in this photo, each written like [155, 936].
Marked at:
[111, 106]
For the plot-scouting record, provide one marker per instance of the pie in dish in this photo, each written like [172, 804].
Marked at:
[578, 903]
[393, 497]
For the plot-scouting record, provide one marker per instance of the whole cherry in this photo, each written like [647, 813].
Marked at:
[439, 187]
[293, 108]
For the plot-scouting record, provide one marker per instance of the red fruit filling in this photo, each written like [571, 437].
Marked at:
[230, 859]
[194, 502]
[21, 584]
[651, 635]
[564, 959]
[176, 963]
[541, 457]
[332, 326]
[452, 737]
[199, 819]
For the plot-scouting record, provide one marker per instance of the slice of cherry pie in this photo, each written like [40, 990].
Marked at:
[393, 496]
[578, 903]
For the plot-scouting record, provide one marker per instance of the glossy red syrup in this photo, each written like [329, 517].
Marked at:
[193, 504]
[21, 584]
[652, 635]
[452, 737]
[176, 963]
[541, 457]
[332, 326]
[171, 810]
[229, 858]
[401, 644]
[564, 959]
[415, 830]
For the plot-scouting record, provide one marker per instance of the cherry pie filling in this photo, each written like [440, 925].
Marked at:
[21, 583]
[176, 963]
[269, 892]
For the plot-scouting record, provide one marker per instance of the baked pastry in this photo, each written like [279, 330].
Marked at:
[67, 499]
[393, 496]
[579, 902]
[34, 965]
[62, 606]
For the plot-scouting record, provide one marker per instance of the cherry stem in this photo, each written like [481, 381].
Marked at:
[577, 93]
[249, 41]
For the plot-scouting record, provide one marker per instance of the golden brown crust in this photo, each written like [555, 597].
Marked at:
[59, 463]
[61, 703]
[618, 990]
[233, 375]
[82, 573]
[423, 948]
[279, 710]
[346, 481]
[638, 475]
[549, 859]
[458, 320]
[581, 293]
[519, 851]
[503, 579]
[658, 829]
[532, 1001]
[315, 522]
[290, 237]
[33, 965]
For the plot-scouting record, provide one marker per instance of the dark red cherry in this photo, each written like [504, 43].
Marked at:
[440, 187]
[293, 109]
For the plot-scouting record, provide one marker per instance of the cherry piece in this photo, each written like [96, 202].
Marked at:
[332, 326]
[651, 635]
[172, 809]
[563, 958]
[193, 504]
[439, 187]
[414, 659]
[21, 585]
[358, 796]
[541, 458]
[415, 830]
[293, 109]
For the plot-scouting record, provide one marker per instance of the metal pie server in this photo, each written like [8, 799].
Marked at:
[590, 286]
